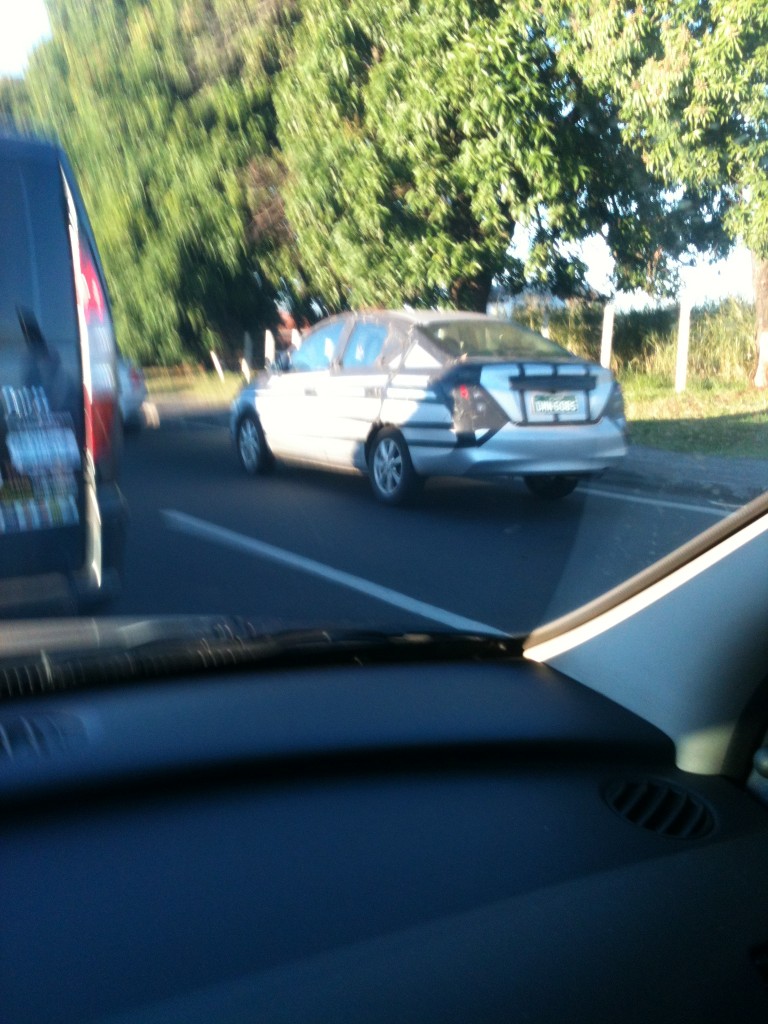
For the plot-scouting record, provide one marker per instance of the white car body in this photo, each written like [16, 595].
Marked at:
[533, 410]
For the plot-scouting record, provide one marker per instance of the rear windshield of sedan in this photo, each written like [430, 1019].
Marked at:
[495, 338]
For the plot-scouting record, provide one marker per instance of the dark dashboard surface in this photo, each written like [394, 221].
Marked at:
[430, 842]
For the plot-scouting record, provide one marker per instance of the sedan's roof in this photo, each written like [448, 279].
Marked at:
[430, 316]
[426, 317]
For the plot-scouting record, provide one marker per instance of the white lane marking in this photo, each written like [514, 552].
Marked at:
[210, 531]
[683, 506]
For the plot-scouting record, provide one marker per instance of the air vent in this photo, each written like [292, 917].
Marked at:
[39, 735]
[662, 808]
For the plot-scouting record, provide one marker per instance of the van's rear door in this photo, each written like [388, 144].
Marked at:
[42, 420]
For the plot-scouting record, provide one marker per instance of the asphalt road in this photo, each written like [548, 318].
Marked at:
[306, 548]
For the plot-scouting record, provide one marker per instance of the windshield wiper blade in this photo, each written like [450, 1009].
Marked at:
[232, 646]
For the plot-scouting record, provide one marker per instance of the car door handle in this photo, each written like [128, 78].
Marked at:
[310, 391]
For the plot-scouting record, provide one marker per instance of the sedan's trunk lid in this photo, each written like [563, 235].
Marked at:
[545, 393]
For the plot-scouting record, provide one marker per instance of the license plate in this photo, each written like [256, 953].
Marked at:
[555, 405]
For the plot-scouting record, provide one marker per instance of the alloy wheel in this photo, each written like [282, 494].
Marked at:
[388, 466]
[249, 445]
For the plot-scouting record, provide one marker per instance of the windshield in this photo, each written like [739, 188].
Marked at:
[403, 317]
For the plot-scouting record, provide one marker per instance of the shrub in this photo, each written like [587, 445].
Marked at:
[721, 346]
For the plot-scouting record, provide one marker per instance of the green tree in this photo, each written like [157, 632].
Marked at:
[418, 135]
[690, 78]
[14, 103]
[163, 105]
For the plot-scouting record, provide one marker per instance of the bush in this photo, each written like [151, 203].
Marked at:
[721, 346]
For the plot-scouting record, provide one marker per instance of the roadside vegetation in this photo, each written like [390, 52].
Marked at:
[192, 383]
[245, 160]
[240, 158]
[707, 418]
[719, 413]
[721, 348]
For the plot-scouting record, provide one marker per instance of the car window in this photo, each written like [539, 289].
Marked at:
[372, 345]
[456, 338]
[318, 347]
[35, 272]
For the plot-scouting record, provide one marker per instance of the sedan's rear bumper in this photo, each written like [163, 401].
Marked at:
[522, 450]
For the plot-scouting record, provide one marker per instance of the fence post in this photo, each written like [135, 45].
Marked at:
[606, 345]
[247, 361]
[683, 339]
[217, 365]
[269, 348]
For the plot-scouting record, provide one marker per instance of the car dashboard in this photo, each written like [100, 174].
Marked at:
[408, 841]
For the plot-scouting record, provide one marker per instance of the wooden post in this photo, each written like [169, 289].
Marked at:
[269, 348]
[760, 285]
[683, 339]
[761, 373]
[545, 324]
[606, 345]
[217, 365]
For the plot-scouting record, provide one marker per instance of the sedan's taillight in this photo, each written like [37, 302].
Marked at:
[614, 407]
[475, 414]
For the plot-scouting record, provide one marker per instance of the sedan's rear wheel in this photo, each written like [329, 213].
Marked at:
[252, 446]
[393, 478]
[551, 485]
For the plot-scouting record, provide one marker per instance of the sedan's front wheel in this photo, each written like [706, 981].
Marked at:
[393, 478]
[252, 446]
[551, 485]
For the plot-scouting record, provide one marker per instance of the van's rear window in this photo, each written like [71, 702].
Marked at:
[35, 264]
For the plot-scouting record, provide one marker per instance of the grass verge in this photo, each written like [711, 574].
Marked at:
[191, 384]
[708, 418]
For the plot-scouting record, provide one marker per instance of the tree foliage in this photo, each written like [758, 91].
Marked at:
[163, 106]
[418, 136]
[691, 81]
[387, 151]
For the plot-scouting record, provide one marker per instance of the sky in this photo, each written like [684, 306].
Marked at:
[22, 24]
[25, 22]
[702, 283]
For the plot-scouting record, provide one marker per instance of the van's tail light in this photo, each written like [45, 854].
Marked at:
[101, 388]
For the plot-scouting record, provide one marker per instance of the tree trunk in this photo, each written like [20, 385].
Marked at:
[760, 281]
[472, 293]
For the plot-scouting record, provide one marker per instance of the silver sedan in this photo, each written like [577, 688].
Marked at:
[405, 395]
